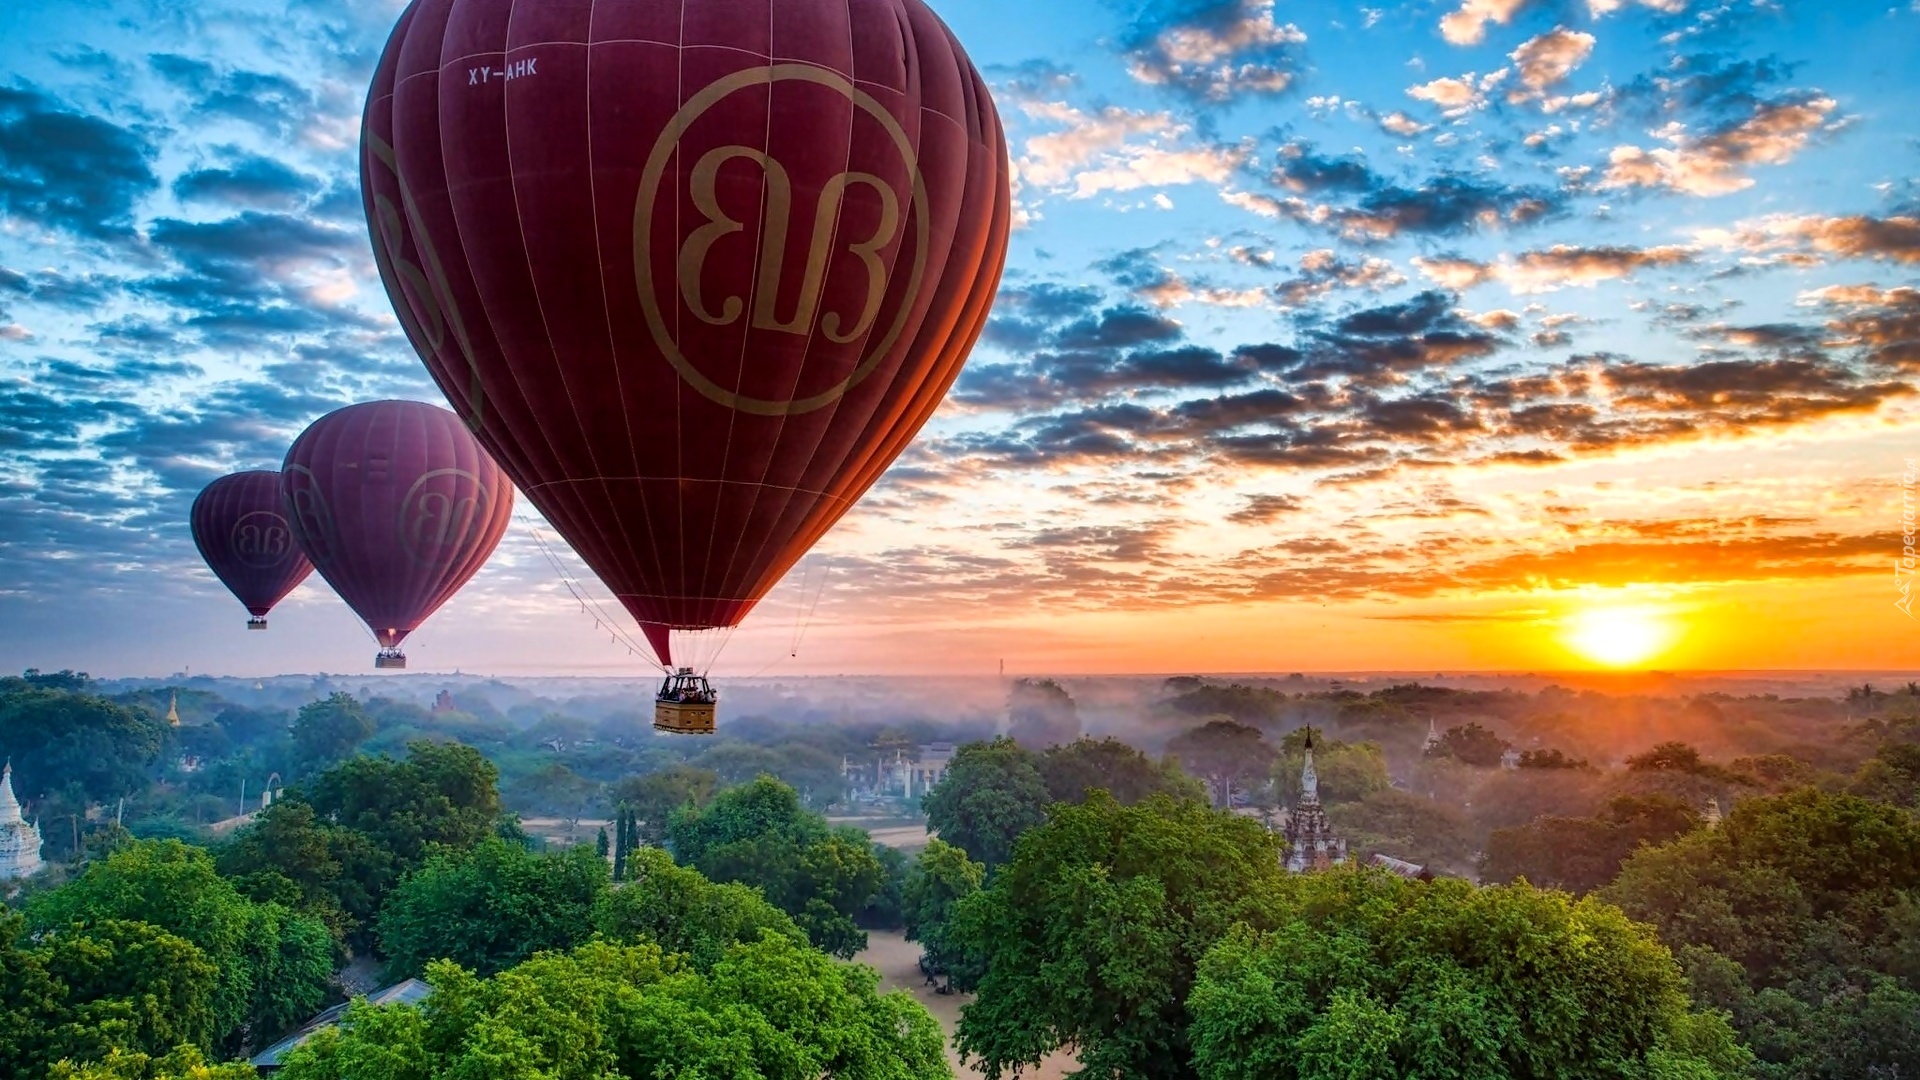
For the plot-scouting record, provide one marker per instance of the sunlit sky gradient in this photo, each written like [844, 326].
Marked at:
[1423, 336]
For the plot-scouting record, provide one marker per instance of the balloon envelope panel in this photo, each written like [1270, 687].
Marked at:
[695, 272]
[246, 539]
[397, 506]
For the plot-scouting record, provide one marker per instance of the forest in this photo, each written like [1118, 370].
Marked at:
[1617, 885]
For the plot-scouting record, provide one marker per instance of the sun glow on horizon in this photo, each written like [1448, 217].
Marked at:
[1619, 636]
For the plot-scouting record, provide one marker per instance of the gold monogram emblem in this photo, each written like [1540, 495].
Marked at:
[429, 520]
[261, 539]
[839, 327]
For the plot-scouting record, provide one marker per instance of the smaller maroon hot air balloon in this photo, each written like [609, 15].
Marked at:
[247, 542]
[397, 506]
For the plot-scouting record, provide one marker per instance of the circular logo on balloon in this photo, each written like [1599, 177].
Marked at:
[261, 540]
[439, 513]
[800, 250]
[309, 514]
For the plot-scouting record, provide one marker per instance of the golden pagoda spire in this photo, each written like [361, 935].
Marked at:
[173, 709]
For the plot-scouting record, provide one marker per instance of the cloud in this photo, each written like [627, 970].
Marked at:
[1220, 51]
[1445, 204]
[1882, 324]
[1399, 123]
[67, 170]
[1854, 236]
[1468, 25]
[1266, 509]
[1553, 268]
[250, 180]
[1715, 163]
[1458, 96]
[1322, 271]
[275, 104]
[1117, 149]
[1549, 58]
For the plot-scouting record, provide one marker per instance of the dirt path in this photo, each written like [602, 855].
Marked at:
[898, 961]
[907, 838]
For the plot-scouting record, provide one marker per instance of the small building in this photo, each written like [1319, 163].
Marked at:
[19, 838]
[931, 765]
[1411, 871]
[409, 992]
[1311, 844]
[443, 703]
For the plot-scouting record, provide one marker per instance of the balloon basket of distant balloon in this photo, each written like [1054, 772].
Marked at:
[390, 658]
[685, 705]
[256, 623]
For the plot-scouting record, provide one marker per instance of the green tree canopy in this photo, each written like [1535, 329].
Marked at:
[991, 793]
[344, 838]
[273, 966]
[328, 730]
[1471, 744]
[1801, 914]
[684, 913]
[771, 1008]
[1369, 976]
[1085, 765]
[1229, 756]
[490, 907]
[653, 797]
[1091, 935]
[1582, 854]
[58, 734]
[760, 835]
[938, 881]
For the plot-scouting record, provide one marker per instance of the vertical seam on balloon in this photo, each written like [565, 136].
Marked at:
[606, 314]
[679, 388]
[800, 371]
[526, 253]
[867, 434]
[813, 453]
[708, 604]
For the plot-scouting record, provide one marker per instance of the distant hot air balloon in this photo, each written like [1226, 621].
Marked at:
[242, 533]
[695, 272]
[397, 506]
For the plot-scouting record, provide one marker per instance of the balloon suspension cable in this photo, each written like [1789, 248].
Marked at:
[811, 587]
[589, 604]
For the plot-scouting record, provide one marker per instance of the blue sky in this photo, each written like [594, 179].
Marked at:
[1332, 336]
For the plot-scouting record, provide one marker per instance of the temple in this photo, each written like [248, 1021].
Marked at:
[1311, 844]
[19, 839]
[173, 709]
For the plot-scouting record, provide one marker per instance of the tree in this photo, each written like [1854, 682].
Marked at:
[885, 909]
[345, 837]
[655, 796]
[1371, 975]
[490, 907]
[1091, 936]
[1040, 713]
[1471, 744]
[58, 734]
[1667, 757]
[770, 1008]
[991, 793]
[1798, 914]
[941, 877]
[684, 913]
[181, 1063]
[1227, 755]
[1084, 765]
[1582, 854]
[1406, 826]
[1246, 704]
[1550, 759]
[760, 835]
[272, 964]
[327, 730]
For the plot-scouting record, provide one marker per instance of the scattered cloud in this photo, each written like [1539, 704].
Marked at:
[1221, 51]
[1548, 269]
[1716, 162]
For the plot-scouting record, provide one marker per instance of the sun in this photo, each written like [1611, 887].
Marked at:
[1619, 636]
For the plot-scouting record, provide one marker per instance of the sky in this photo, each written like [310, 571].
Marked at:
[1477, 335]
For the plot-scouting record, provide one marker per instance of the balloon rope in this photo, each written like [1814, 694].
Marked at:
[587, 601]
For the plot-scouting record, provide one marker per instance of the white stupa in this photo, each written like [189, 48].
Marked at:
[19, 839]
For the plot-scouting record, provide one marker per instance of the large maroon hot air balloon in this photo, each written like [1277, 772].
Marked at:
[397, 506]
[695, 272]
[241, 532]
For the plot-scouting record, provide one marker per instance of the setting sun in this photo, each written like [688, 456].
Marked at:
[1619, 637]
